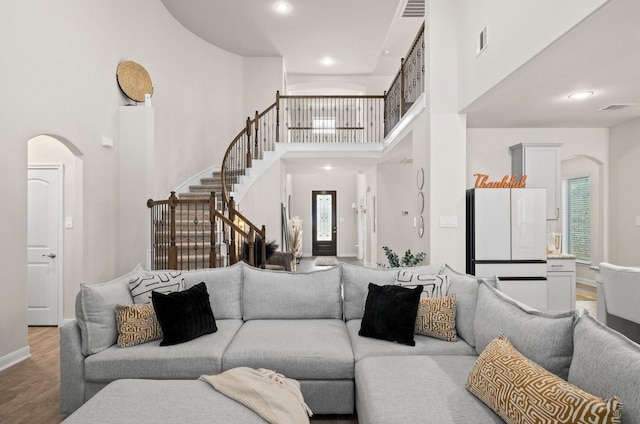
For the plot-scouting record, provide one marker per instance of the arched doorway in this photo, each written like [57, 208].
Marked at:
[54, 230]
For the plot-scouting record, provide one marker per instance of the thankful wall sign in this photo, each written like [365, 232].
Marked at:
[482, 181]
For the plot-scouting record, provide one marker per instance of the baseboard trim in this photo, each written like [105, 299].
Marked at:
[14, 357]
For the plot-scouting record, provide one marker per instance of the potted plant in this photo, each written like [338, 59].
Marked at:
[408, 260]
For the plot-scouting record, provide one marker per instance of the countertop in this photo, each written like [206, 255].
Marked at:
[560, 256]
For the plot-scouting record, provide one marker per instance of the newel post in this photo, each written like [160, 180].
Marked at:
[256, 151]
[263, 253]
[173, 250]
[233, 257]
[403, 105]
[248, 154]
[213, 260]
[278, 116]
[251, 241]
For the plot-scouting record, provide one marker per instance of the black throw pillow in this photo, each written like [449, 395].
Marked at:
[390, 313]
[184, 315]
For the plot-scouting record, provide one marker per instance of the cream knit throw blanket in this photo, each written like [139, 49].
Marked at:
[274, 397]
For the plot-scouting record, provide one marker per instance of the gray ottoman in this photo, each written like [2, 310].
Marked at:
[162, 401]
[418, 390]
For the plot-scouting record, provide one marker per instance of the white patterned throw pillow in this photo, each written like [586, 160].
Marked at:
[168, 282]
[434, 285]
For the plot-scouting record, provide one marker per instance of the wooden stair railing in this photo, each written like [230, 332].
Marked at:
[193, 234]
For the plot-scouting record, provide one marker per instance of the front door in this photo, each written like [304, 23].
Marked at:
[44, 227]
[325, 230]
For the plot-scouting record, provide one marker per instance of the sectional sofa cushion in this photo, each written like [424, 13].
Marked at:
[418, 389]
[224, 286]
[184, 315]
[301, 349]
[282, 295]
[465, 288]
[137, 324]
[356, 279]
[546, 339]
[436, 317]
[606, 363]
[522, 392]
[165, 282]
[390, 313]
[364, 347]
[162, 402]
[434, 285]
[96, 310]
[148, 360]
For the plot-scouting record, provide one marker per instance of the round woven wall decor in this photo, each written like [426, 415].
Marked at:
[134, 80]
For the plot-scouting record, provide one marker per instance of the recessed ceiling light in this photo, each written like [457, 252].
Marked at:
[580, 95]
[327, 61]
[282, 7]
[327, 167]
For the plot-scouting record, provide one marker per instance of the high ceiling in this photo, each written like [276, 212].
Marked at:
[356, 34]
[368, 37]
[601, 54]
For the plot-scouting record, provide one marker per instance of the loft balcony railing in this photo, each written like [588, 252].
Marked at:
[326, 119]
[407, 86]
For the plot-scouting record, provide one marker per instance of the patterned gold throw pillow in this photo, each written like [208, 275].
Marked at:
[137, 324]
[437, 317]
[520, 391]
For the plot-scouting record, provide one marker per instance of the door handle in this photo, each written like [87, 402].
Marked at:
[50, 255]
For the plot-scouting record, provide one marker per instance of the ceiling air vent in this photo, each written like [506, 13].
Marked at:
[413, 9]
[617, 106]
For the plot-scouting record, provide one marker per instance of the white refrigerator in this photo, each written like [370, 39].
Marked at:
[506, 237]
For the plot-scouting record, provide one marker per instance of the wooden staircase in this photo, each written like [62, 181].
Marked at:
[208, 185]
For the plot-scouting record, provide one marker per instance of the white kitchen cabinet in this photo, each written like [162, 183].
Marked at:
[561, 284]
[540, 162]
[532, 292]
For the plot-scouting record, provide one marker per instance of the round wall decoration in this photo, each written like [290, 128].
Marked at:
[134, 80]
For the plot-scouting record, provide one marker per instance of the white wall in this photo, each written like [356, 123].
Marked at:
[447, 138]
[396, 194]
[625, 202]
[262, 202]
[345, 185]
[517, 31]
[59, 78]
[263, 76]
[338, 84]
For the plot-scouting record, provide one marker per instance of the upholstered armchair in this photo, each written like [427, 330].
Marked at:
[621, 286]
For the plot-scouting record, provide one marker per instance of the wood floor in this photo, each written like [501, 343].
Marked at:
[30, 390]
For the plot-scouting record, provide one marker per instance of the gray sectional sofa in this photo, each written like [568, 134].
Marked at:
[305, 326]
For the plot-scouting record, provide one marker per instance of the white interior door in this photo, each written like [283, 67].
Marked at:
[44, 272]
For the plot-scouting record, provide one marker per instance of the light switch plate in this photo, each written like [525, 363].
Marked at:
[68, 222]
[448, 221]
